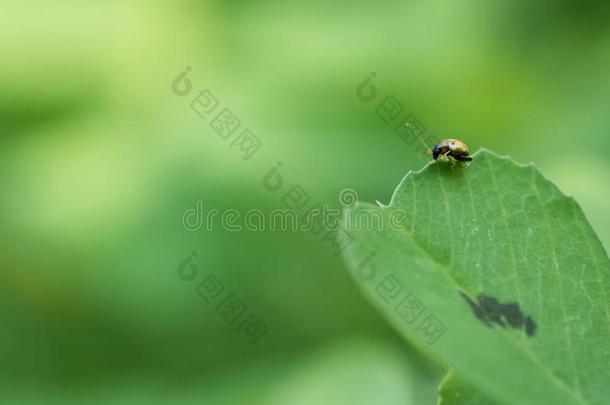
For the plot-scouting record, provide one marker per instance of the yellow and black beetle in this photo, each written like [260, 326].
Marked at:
[452, 148]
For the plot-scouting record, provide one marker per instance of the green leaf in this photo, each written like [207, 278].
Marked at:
[494, 273]
[454, 391]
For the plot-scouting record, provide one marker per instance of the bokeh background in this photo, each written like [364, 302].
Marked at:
[99, 160]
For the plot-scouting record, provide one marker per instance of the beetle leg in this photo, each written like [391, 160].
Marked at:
[465, 160]
[450, 158]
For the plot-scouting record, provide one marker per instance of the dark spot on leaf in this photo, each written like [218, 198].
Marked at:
[530, 326]
[492, 312]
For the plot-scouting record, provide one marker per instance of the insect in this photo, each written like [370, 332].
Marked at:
[453, 149]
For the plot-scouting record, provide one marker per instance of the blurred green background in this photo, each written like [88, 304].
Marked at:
[99, 160]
